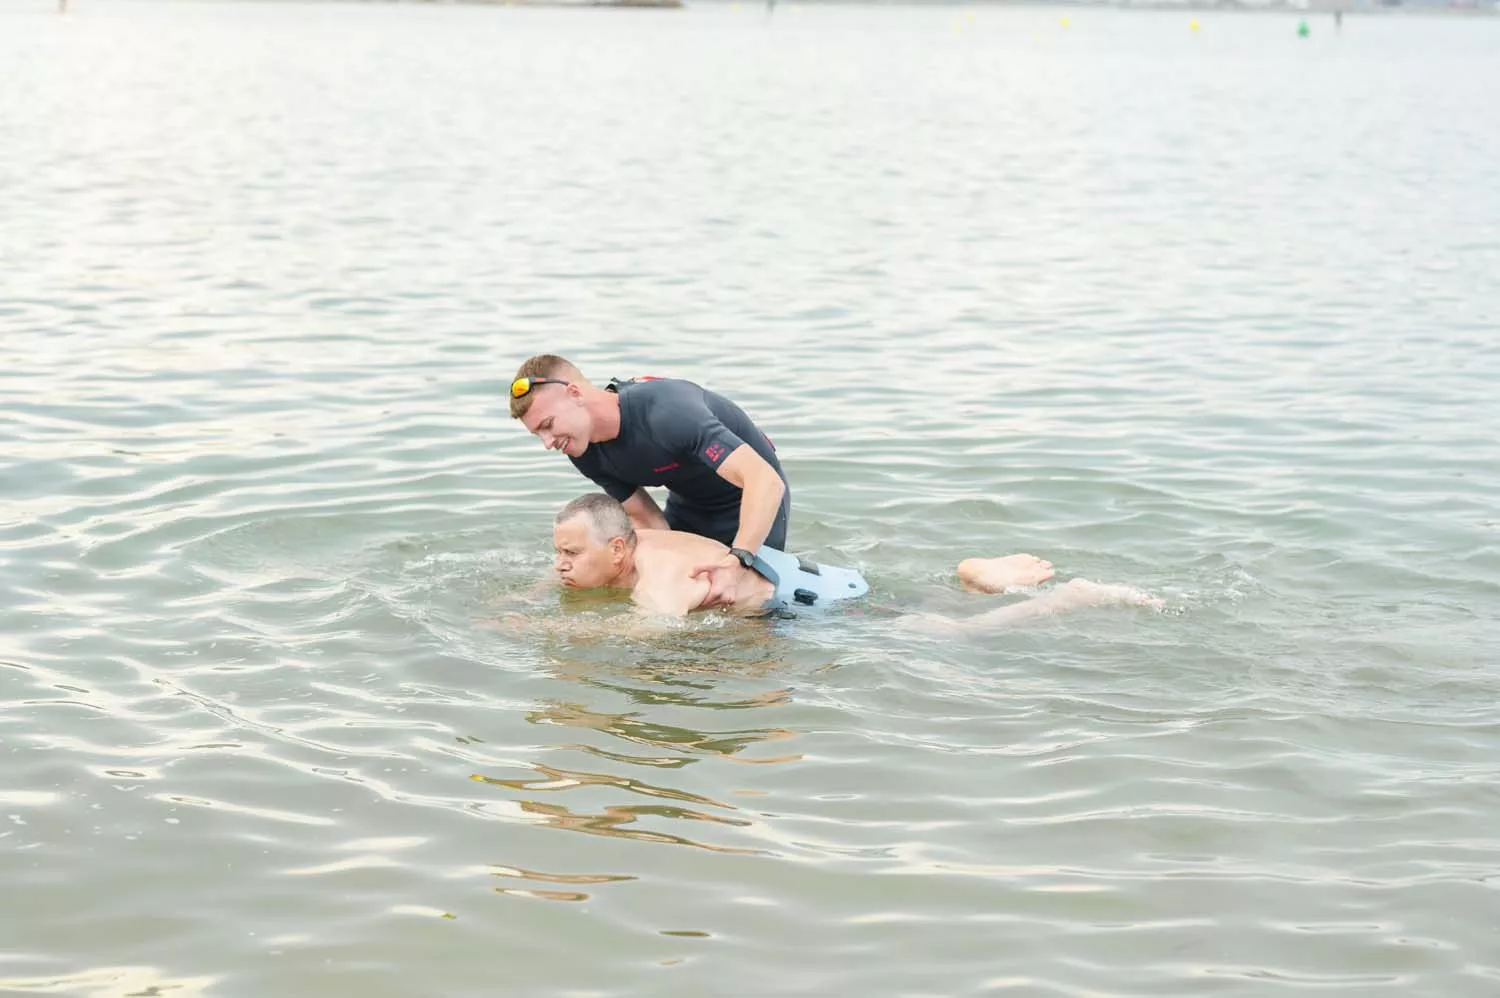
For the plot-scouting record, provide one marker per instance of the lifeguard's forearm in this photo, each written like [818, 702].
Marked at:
[644, 513]
[760, 503]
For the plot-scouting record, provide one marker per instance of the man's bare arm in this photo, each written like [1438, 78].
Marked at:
[644, 513]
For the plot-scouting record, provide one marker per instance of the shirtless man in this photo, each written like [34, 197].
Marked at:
[597, 546]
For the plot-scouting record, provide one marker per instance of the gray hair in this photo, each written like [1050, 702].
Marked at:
[606, 518]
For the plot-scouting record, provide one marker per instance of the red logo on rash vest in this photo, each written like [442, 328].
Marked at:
[667, 467]
[713, 452]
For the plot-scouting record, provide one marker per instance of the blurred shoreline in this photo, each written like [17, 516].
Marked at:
[1361, 8]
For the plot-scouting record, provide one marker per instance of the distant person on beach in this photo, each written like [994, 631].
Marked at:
[721, 472]
[597, 546]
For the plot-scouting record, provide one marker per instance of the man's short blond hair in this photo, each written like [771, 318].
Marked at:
[543, 365]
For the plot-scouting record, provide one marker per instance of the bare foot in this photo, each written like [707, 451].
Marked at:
[1082, 592]
[999, 575]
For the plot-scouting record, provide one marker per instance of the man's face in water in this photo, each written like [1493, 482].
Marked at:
[582, 562]
[559, 420]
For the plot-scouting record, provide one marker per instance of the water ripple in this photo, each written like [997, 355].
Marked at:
[1208, 313]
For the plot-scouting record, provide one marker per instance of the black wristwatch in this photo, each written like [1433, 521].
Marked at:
[747, 558]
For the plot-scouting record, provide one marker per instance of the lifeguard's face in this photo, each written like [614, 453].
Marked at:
[582, 562]
[559, 419]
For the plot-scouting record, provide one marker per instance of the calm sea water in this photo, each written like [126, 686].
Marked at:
[1210, 313]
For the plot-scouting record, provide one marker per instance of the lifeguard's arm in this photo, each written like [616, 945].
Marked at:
[644, 513]
[762, 490]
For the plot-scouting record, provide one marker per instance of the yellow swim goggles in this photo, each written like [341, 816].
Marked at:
[522, 387]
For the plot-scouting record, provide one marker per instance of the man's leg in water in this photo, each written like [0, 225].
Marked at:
[1071, 594]
[1001, 575]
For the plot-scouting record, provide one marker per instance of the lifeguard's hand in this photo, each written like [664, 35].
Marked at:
[724, 577]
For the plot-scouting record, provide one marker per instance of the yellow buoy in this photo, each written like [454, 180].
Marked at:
[1193, 24]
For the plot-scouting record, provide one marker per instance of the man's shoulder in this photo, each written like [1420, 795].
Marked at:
[669, 546]
[663, 409]
[667, 400]
[656, 543]
[651, 392]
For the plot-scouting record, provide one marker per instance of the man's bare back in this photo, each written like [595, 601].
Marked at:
[664, 583]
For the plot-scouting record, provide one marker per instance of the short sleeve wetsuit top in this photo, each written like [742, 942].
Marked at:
[676, 434]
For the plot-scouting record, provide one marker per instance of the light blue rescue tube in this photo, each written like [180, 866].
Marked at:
[803, 583]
